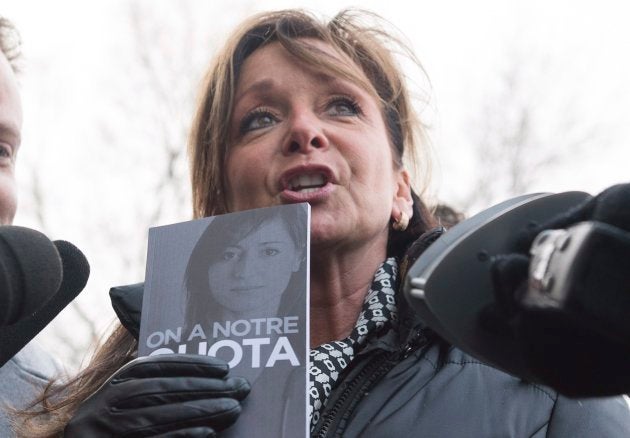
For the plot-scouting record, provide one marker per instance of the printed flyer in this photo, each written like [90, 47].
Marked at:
[235, 286]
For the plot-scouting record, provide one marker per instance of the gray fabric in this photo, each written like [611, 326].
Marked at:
[467, 398]
[21, 381]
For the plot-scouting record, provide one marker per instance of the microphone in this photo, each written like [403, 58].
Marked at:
[538, 286]
[611, 207]
[572, 320]
[30, 272]
[450, 284]
[38, 278]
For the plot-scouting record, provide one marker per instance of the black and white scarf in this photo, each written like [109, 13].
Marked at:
[378, 316]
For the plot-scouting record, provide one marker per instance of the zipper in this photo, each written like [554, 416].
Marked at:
[354, 390]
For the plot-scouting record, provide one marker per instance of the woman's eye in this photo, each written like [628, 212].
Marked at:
[5, 152]
[270, 252]
[229, 255]
[258, 119]
[343, 106]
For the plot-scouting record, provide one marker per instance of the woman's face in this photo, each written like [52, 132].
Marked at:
[299, 135]
[254, 272]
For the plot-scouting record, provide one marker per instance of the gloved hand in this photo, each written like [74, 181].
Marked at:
[166, 395]
[510, 272]
[565, 296]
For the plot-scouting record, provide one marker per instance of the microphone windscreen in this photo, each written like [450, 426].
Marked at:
[30, 272]
[613, 206]
[76, 271]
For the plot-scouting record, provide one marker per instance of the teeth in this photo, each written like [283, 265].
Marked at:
[307, 183]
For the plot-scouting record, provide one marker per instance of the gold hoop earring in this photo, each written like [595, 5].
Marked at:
[401, 223]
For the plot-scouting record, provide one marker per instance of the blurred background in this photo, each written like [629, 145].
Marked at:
[520, 97]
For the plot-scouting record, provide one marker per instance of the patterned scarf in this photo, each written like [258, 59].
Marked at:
[378, 316]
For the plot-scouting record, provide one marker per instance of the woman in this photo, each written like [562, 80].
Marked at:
[295, 110]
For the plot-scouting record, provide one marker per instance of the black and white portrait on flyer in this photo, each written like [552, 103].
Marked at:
[235, 286]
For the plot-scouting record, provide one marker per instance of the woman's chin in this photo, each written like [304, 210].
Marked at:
[252, 303]
[328, 227]
[342, 235]
[324, 237]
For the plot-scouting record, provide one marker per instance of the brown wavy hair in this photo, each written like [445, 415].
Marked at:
[356, 34]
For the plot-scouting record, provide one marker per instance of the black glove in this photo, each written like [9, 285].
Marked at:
[167, 396]
[565, 297]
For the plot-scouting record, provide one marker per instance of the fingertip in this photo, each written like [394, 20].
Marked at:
[241, 387]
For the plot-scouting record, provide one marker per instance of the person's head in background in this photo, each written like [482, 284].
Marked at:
[10, 119]
[447, 216]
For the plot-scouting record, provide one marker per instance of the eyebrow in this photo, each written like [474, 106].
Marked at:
[257, 87]
[11, 131]
[238, 246]
[264, 85]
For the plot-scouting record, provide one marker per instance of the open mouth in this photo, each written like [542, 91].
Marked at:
[307, 183]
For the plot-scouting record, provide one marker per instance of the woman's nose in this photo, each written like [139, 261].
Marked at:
[244, 267]
[306, 134]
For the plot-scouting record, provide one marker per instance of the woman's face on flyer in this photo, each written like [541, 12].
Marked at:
[255, 271]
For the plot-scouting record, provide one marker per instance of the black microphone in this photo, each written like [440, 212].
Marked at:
[573, 321]
[538, 286]
[451, 284]
[30, 272]
[612, 208]
[38, 278]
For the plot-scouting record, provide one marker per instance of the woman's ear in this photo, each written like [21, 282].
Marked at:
[403, 203]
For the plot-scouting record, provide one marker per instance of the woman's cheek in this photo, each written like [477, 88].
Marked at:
[218, 278]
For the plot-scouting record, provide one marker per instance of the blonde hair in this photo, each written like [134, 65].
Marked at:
[368, 46]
